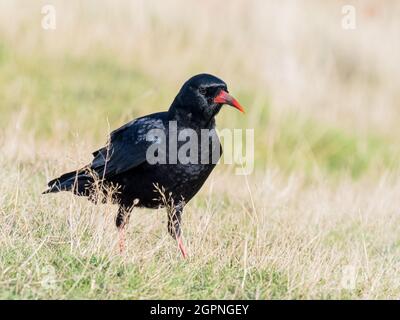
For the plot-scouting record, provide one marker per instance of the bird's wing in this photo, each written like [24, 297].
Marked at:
[126, 148]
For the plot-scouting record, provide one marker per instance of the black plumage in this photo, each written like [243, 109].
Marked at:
[123, 163]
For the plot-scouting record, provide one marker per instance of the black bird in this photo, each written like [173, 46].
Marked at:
[125, 163]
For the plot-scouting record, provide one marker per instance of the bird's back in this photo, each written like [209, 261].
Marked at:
[176, 177]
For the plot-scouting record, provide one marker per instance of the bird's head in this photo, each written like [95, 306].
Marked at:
[201, 97]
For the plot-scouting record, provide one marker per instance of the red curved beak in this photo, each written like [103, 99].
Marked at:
[225, 98]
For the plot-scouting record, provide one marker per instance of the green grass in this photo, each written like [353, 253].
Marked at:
[305, 145]
[67, 275]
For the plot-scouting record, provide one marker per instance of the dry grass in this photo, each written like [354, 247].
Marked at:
[278, 238]
[323, 201]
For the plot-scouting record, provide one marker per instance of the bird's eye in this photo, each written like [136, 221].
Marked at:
[202, 91]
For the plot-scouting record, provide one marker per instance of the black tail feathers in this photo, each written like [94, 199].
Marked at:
[79, 182]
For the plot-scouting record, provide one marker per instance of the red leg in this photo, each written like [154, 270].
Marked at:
[121, 232]
[181, 246]
[121, 222]
[174, 226]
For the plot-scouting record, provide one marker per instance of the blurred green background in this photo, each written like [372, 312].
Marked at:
[321, 99]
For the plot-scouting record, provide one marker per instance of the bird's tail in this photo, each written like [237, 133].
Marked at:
[79, 182]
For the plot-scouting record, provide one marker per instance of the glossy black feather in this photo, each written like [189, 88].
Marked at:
[122, 162]
[127, 146]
